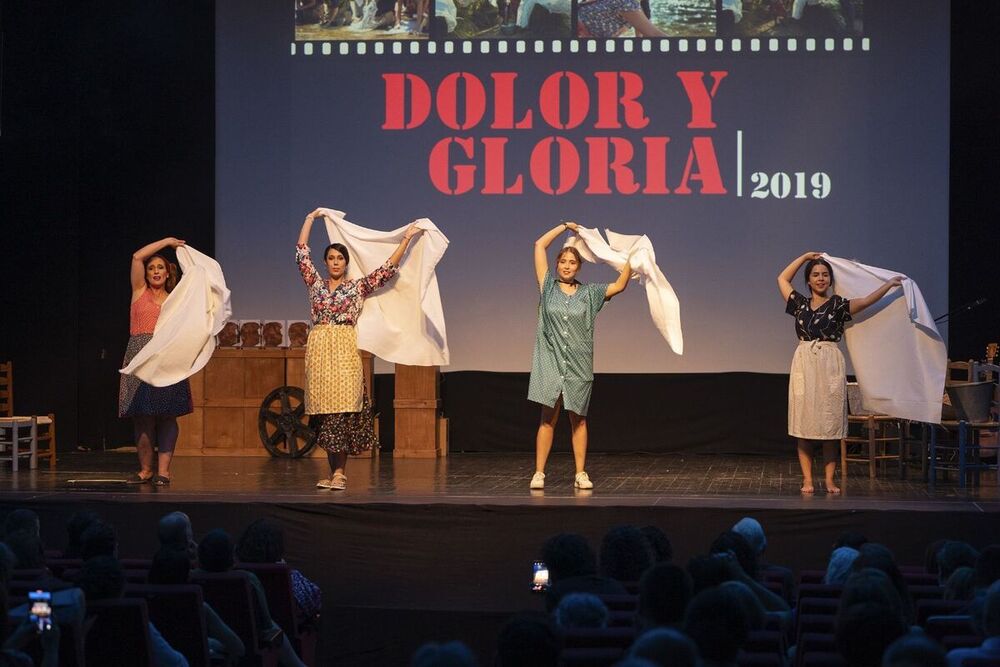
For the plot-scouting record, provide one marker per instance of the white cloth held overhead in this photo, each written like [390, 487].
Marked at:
[664, 307]
[193, 313]
[898, 354]
[403, 322]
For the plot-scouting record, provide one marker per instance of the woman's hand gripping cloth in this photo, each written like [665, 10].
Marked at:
[403, 322]
[897, 352]
[664, 307]
[193, 313]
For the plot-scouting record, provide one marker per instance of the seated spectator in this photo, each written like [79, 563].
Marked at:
[930, 557]
[873, 586]
[450, 654]
[850, 538]
[707, 572]
[990, 622]
[527, 641]
[953, 555]
[263, 542]
[664, 593]
[659, 543]
[728, 567]
[102, 578]
[734, 543]
[988, 567]
[666, 646]
[961, 585]
[100, 539]
[75, 527]
[22, 519]
[753, 533]
[625, 554]
[756, 614]
[174, 531]
[879, 557]
[573, 569]
[27, 549]
[215, 554]
[864, 630]
[913, 650]
[25, 633]
[717, 623]
[172, 567]
[581, 610]
[840, 566]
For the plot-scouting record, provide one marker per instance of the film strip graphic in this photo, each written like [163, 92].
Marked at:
[707, 45]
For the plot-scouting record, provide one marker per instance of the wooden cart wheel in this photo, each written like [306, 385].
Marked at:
[284, 425]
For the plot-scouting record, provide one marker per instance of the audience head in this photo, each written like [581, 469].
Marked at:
[568, 555]
[27, 549]
[261, 542]
[753, 533]
[734, 543]
[930, 556]
[864, 630]
[988, 566]
[170, 567]
[101, 578]
[872, 586]
[527, 641]
[841, 565]
[666, 646]
[448, 654]
[717, 622]
[914, 651]
[664, 592]
[961, 585]
[175, 531]
[659, 543]
[581, 610]
[953, 555]
[879, 557]
[100, 539]
[850, 538]
[19, 520]
[708, 572]
[75, 527]
[215, 551]
[756, 614]
[625, 554]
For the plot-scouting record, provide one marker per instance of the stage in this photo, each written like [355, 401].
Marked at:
[442, 549]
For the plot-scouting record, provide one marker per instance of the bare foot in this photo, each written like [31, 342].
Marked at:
[807, 489]
[832, 488]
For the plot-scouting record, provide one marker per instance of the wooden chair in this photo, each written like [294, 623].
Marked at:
[963, 451]
[15, 425]
[871, 444]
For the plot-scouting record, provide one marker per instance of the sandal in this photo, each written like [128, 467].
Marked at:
[137, 478]
[160, 480]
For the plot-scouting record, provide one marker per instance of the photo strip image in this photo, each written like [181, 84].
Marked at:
[791, 18]
[606, 19]
[354, 20]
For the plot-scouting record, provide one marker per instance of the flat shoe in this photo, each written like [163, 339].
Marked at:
[324, 484]
[537, 481]
[160, 480]
[338, 482]
[136, 478]
[582, 481]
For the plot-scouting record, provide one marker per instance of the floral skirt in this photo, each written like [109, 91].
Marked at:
[138, 399]
[350, 432]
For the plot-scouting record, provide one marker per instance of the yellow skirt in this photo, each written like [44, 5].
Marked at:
[334, 378]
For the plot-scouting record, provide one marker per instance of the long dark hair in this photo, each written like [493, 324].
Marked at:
[172, 271]
[809, 267]
[339, 247]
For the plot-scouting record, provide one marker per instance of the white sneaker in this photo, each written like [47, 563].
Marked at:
[582, 481]
[324, 484]
[538, 481]
[338, 482]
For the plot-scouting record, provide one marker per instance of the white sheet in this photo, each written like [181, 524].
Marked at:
[664, 307]
[898, 354]
[404, 321]
[193, 313]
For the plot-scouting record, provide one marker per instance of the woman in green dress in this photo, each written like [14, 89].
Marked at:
[562, 366]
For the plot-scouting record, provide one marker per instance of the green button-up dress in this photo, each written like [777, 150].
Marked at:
[563, 361]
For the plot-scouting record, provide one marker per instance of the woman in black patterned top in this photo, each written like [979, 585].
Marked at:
[817, 384]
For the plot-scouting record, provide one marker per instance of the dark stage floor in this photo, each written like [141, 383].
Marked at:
[502, 479]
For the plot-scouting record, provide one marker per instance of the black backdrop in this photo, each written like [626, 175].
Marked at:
[107, 113]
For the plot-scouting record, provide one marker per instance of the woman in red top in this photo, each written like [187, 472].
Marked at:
[154, 410]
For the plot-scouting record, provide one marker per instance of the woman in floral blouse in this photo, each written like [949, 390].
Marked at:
[817, 383]
[335, 390]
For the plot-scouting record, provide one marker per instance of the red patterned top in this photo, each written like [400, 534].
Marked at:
[143, 314]
[343, 304]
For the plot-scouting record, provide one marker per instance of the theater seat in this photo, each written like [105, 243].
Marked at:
[118, 633]
[178, 612]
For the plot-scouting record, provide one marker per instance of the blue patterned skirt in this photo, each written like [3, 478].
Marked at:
[138, 399]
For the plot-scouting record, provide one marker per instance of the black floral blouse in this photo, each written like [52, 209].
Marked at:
[343, 304]
[826, 323]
